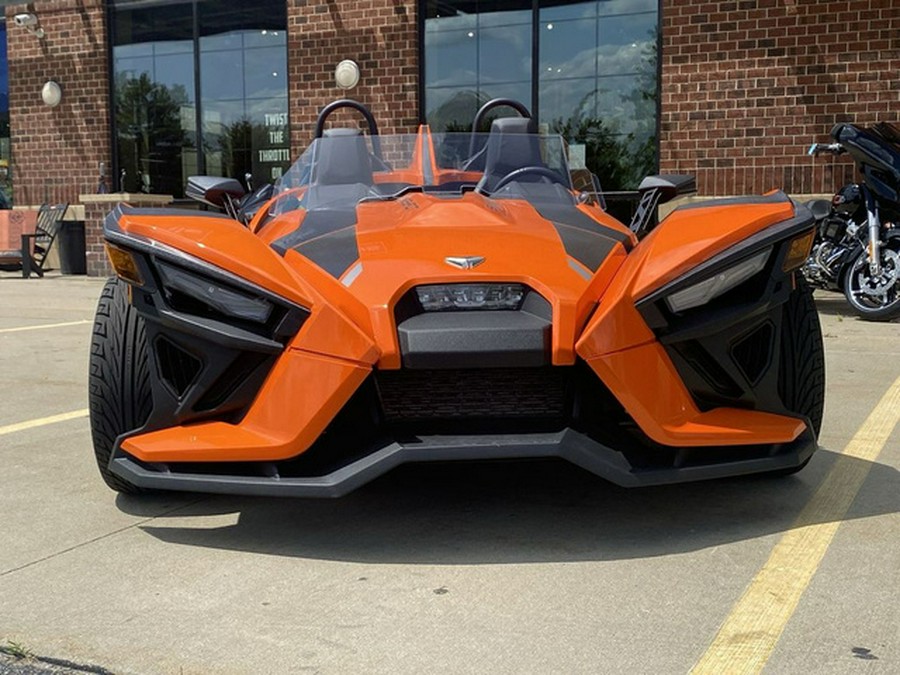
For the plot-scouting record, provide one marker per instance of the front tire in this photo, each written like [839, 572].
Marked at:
[120, 396]
[870, 298]
[802, 365]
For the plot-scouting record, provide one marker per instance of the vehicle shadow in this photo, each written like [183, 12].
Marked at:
[515, 512]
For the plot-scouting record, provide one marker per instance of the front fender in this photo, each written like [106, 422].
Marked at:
[624, 349]
[337, 326]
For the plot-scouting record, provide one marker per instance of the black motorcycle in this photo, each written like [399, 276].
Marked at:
[857, 245]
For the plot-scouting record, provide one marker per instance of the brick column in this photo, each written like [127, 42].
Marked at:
[380, 35]
[96, 208]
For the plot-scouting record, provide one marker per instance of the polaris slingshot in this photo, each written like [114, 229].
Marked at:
[443, 297]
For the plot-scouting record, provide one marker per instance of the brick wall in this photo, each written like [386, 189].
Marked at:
[380, 35]
[96, 261]
[96, 208]
[747, 85]
[56, 151]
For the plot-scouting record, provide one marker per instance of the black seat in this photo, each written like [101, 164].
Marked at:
[820, 208]
[342, 158]
[342, 171]
[512, 144]
[341, 177]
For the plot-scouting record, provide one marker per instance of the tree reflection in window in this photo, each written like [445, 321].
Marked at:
[620, 158]
[200, 87]
[150, 134]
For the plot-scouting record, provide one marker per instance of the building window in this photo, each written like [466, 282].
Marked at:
[474, 51]
[200, 88]
[588, 70]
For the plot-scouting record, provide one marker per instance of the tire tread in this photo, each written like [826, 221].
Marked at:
[119, 381]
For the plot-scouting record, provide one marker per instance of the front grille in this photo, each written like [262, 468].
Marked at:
[754, 353]
[177, 368]
[241, 369]
[467, 394]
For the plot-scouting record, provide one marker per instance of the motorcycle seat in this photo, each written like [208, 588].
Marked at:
[820, 208]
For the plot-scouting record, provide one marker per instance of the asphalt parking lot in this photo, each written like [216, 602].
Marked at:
[530, 568]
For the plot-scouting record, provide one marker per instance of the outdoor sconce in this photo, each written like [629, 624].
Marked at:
[51, 93]
[30, 23]
[346, 74]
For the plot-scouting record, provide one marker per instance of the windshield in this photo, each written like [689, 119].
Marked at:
[343, 167]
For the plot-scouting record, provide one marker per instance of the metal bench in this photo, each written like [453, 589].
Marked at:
[36, 245]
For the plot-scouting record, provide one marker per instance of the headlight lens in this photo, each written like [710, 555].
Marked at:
[443, 297]
[225, 300]
[704, 291]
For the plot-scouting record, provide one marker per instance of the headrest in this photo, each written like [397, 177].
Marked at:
[342, 158]
[514, 125]
[341, 131]
[512, 144]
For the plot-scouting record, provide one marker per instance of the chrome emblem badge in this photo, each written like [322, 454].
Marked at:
[464, 262]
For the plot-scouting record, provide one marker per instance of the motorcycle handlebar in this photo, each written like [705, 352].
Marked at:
[831, 148]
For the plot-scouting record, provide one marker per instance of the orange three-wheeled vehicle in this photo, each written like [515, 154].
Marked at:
[440, 296]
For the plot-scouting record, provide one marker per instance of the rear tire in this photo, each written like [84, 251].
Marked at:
[120, 395]
[802, 366]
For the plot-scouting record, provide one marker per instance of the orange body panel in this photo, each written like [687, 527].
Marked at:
[690, 236]
[223, 243]
[327, 331]
[275, 229]
[646, 383]
[267, 432]
[403, 244]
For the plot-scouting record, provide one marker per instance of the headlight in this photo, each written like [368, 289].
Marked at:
[442, 297]
[704, 291]
[216, 296]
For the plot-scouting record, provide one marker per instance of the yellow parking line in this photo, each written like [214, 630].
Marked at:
[44, 325]
[43, 421]
[749, 634]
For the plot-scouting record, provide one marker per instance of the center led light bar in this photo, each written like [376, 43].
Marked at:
[449, 297]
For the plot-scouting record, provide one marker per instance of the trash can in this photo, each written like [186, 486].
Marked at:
[71, 247]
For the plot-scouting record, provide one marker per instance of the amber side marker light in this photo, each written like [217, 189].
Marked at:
[798, 251]
[125, 265]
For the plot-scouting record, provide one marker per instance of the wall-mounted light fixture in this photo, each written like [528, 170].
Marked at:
[30, 23]
[346, 75]
[51, 93]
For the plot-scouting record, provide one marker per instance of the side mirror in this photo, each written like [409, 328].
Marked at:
[668, 186]
[656, 190]
[214, 191]
[588, 186]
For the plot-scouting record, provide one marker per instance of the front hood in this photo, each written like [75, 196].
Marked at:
[559, 251]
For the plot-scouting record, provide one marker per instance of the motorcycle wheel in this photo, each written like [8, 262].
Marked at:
[875, 299]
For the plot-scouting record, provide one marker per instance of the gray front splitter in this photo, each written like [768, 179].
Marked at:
[567, 444]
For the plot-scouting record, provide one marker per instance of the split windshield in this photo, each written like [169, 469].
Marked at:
[344, 168]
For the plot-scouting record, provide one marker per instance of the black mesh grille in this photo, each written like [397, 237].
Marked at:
[177, 367]
[497, 393]
[752, 353]
[707, 366]
[237, 373]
